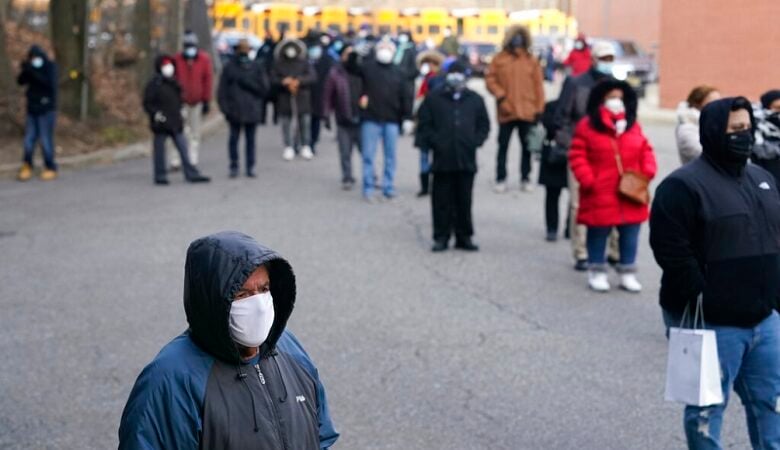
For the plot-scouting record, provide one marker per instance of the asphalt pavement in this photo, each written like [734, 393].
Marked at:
[502, 349]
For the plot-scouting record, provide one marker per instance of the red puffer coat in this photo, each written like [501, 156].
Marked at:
[592, 160]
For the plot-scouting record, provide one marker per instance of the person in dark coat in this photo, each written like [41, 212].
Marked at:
[39, 74]
[453, 122]
[714, 231]
[237, 378]
[341, 96]
[242, 88]
[322, 64]
[406, 60]
[293, 77]
[552, 172]
[572, 107]
[766, 151]
[163, 103]
[265, 57]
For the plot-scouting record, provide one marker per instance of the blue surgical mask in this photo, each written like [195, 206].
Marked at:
[190, 52]
[37, 62]
[605, 67]
[338, 45]
[315, 52]
[456, 81]
[403, 39]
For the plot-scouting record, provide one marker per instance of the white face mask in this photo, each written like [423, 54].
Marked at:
[384, 55]
[290, 52]
[425, 69]
[37, 62]
[615, 105]
[167, 70]
[251, 319]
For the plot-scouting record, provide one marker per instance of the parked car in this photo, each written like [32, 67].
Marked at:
[632, 64]
[226, 41]
[478, 55]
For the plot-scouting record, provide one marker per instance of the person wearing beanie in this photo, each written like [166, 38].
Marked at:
[766, 151]
[195, 75]
[714, 231]
[453, 123]
[341, 97]
[162, 102]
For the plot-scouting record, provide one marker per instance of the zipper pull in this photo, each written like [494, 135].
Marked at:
[260, 374]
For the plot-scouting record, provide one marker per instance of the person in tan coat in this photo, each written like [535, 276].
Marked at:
[515, 79]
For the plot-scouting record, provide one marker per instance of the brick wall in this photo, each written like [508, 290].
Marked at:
[638, 20]
[726, 43]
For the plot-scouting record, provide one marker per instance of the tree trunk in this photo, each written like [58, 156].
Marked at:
[142, 32]
[68, 36]
[174, 27]
[196, 18]
[6, 71]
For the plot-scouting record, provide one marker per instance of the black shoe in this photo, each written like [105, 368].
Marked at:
[199, 179]
[439, 246]
[425, 180]
[581, 265]
[552, 236]
[161, 182]
[467, 245]
[233, 173]
[250, 174]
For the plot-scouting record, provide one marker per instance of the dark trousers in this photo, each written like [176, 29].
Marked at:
[315, 131]
[451, 205]
[180, 142]
[348, 137]
[504, 135]
[551, 203]
[235, 134]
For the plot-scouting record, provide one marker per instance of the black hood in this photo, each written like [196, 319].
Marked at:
[596, 98]
[713, 122]
[216, 268]
[36, 50]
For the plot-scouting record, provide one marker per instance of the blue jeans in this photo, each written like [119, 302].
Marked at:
[597, 246]
[749, 363]
[370, 134]
[40, 128]
[425, 161]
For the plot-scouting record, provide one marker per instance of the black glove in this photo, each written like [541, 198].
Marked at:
[206, 108]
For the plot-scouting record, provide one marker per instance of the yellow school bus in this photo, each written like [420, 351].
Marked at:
[359, 17]
[430, 23]
[481, 25]
[277, 18]
[388, 21]
[545, 22]
[227, 14]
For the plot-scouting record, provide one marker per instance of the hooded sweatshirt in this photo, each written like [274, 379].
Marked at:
[162, 100]
[198, 393]
[41, 83]
[715, 231]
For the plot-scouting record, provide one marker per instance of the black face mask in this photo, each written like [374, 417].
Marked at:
[517, 42]
[739, 145]
[774, 119]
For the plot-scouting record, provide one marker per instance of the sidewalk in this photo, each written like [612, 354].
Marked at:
[114, 154]
[650, 111]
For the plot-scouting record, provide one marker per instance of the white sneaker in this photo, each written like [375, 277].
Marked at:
[306, 153]
[288, 154]
[500, 187]
[526, 186]
[629, 282]
[598, 281]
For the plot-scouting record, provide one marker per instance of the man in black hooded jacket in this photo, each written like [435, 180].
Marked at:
[715, 232]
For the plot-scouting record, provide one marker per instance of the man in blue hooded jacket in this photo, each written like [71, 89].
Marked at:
[236, 379]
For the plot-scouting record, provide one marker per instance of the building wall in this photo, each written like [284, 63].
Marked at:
[638, 20]
[729, 44]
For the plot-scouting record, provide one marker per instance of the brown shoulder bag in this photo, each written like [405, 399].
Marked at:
[634, 186]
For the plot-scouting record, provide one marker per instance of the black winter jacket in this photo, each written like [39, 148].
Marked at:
[299, 68]
[385, 85]
[162, 102]
[452, 129]
[41, 83]
[242, 88]
[715, 229]
[573, 104]
[321, 68]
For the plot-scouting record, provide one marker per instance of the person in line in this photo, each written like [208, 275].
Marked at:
[572, 107]
[580, 59]
[237, 378]
[766, 151]
[607, 144]
[322, 64]
[242, 88]
[293, 78]
[687, 131]
[713, 231]
[429, 64]
[515, 79]
[162, 102]
[453, 123]
[406, 60]
[342, 97]
[195, 76]
[39, 74]
[265, 57]
[384, 106]
[450, 45]
[552, 173]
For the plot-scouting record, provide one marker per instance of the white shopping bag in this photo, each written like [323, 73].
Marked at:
[693, 368]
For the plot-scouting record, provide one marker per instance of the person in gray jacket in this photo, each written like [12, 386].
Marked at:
[687, 131]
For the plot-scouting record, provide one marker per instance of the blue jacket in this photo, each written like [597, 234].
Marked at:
[199, 394]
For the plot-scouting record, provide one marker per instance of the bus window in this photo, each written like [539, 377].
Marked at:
[229, 22]
[282, 27]
[434, 29]
[299, 26]
[245, 24]
[384, 29]
[479, 29]
[334, 27]
[399, 29]
[267, 24]
[492, 29]
[419, 29]
[553, 29]
[318, 25]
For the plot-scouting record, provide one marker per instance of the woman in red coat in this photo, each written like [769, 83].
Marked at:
[610, 134]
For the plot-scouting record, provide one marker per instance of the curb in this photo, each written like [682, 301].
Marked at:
[112, 155]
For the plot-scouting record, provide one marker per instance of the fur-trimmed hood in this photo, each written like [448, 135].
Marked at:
[596, 99]
[281, 46]
[429, 56]
[513, 31]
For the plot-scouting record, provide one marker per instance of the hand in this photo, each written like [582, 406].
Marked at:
[286, 81]
[206, 108]
[160, 117]
[363, 102]
[407, 126]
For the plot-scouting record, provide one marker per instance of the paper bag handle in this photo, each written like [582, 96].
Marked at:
[699, 313]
